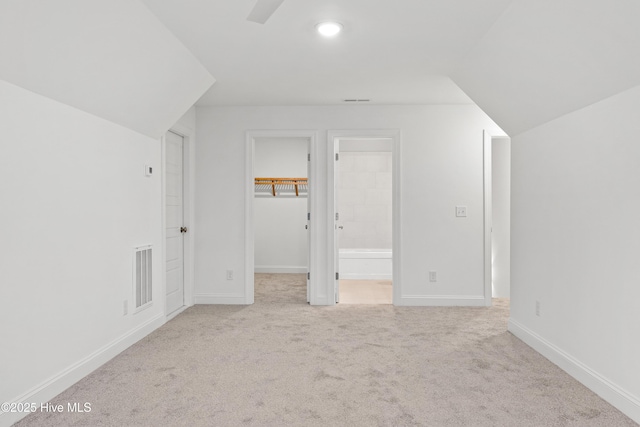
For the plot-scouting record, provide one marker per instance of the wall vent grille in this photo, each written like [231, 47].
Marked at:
[142, 277]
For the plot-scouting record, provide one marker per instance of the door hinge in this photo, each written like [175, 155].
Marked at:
[337, 216]
[308, 216]
[308, 157]
[308, 276]
[337, 276]
[337, 157]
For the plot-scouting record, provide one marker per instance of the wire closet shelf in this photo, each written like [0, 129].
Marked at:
[281, 187]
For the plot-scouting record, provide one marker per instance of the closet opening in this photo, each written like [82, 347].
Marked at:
[280, 208]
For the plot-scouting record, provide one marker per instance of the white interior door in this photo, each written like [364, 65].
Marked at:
[174, 221]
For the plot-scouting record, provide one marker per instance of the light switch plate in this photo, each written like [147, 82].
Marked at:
[461, 211]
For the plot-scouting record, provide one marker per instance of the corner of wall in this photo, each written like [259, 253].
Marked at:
[603, 387]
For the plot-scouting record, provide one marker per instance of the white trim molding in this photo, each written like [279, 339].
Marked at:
[223, 299]
[441, 300]
[287, 269]
[58, 383]
[175, 313]
[609, 391]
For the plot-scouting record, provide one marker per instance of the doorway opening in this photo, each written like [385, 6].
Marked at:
[500, 201]
[366, 205]
[280, 212]
[278, 208]
[497, 217]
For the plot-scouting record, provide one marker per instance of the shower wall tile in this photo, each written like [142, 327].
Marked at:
[365, 200]
[383, 180]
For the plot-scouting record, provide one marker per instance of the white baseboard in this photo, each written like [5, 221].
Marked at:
[609, 391]
[441, 301]
[356, 276]
[55, 385]
[225, 299]
[175, 313]
[279, 269]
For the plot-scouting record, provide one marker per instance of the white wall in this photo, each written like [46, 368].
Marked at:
[364, 200]
[75, 202]
[441, 167]
[280, 237]
[576, 245]
[500, 214]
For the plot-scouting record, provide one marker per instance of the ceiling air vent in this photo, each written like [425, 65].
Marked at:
[356, 100]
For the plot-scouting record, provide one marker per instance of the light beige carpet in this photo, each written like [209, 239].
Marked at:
[282, 362]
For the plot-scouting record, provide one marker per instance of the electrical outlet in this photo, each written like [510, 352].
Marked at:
[461, 211]
[433, 276]
[538, 308]
[125, 307]
[229, 274]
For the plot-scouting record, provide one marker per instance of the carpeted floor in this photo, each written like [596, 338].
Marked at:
[282, 362]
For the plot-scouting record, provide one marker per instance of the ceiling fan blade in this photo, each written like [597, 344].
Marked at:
[263, 10]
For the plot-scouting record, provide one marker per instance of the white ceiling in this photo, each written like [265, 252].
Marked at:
[396, 52]
[546, 58]
[523, 62]
[107, 58]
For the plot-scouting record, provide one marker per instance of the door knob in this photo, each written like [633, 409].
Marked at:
[340, 227]
[183, 229]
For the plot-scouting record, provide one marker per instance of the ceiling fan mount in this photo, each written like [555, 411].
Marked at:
[263, 9]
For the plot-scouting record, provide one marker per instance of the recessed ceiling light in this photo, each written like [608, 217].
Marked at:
[329, 29]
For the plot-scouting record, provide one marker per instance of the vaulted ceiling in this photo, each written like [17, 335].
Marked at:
[524, 62]
[396, 52]
[545, 58]
[142, 64]
[110, 58]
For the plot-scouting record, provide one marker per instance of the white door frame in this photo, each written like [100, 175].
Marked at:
[249, 261]
[188, 197]
[488, 223]
[396, 138]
